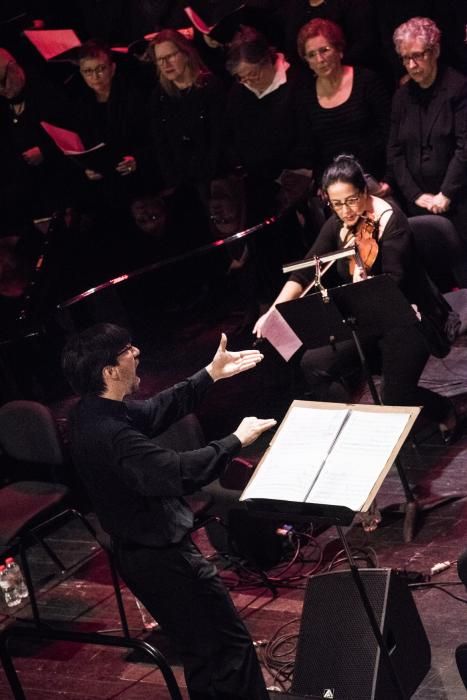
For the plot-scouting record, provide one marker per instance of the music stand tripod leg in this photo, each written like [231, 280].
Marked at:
[399, 692]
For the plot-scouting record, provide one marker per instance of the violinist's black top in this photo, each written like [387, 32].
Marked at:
[396, 257]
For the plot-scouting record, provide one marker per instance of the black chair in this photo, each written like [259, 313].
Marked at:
[230, 527]
[442, 251]
[30, 508]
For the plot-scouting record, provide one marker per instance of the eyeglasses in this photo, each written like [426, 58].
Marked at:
[323, 51]
[351, 202]
[252, 75]
[97, 71]
[160, 60]
[128, 346]
[4, 80]
[416, 57]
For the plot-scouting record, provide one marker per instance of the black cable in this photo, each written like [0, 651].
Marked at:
[439, 586]
[278, 656]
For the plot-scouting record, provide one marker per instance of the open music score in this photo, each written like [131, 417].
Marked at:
[331, 454]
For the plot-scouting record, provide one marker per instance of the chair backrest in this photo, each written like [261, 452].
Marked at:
[28, 433]
[186, 434]
[439, 247]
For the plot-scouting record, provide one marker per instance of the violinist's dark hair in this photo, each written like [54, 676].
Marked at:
[344, 168]
[87, 353]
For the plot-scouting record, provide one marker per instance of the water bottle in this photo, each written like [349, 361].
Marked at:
[17, 574]
[7, 584]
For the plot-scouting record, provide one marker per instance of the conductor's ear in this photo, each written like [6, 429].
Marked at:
[109, 372]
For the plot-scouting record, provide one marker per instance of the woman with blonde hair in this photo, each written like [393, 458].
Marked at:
[186, 112]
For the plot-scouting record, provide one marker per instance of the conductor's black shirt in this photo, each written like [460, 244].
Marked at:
[136, 486]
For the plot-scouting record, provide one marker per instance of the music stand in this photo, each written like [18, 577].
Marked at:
[373, 306]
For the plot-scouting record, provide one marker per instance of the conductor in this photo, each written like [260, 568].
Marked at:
[137, 490]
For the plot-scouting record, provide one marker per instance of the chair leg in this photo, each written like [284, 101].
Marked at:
[29, 585]
[118, 594]
[84, 521]
[49, 551]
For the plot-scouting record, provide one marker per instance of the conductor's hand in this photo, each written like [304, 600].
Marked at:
[251, 428]
[227, 364]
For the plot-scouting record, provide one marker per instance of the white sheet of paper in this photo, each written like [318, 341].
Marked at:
[358, 458]
[293, 462]
[280, 335]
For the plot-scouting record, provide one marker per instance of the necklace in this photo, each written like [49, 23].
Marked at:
[17, 109]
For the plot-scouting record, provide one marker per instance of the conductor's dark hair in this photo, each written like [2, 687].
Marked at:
[87, 353]
[344, 168]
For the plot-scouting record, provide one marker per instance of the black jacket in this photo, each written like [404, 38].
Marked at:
[433, 159]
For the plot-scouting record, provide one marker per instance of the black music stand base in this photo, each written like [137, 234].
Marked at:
[411, 507]
[411, 511]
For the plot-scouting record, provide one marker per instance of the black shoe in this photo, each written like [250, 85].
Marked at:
[452, 434]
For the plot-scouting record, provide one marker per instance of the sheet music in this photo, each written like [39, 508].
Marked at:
[68, 141]
[297, 454]
[280, 335]
[358, 458]
[52, 42]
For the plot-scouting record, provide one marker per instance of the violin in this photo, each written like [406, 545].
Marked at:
[365, 234]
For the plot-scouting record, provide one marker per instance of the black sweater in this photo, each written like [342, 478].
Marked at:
[359, 126]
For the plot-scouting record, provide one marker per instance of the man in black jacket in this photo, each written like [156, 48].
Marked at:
[137, 490]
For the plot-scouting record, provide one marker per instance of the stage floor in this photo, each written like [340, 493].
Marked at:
[84, 600]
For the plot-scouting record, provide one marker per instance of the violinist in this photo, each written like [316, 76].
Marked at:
[383, 238]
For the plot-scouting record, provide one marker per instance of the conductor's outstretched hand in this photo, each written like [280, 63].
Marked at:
[227, 364]
[251, 428]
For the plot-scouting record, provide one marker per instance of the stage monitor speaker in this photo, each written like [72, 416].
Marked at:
[338, 656]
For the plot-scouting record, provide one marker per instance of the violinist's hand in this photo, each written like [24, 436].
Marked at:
[227, 364]
[33, 156]
[259, 325]
[440, 203]
[251, 428]
[126, 166]
[425, 201]
[93, 175]
[359, 273]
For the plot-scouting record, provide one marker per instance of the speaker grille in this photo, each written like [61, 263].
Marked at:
[337, 653]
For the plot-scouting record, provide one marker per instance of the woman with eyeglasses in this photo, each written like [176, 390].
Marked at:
[186, 112]
[111, 110]
[346, 107]
[427, 155]
[356, 17]
[264, 131]
[383, 237]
